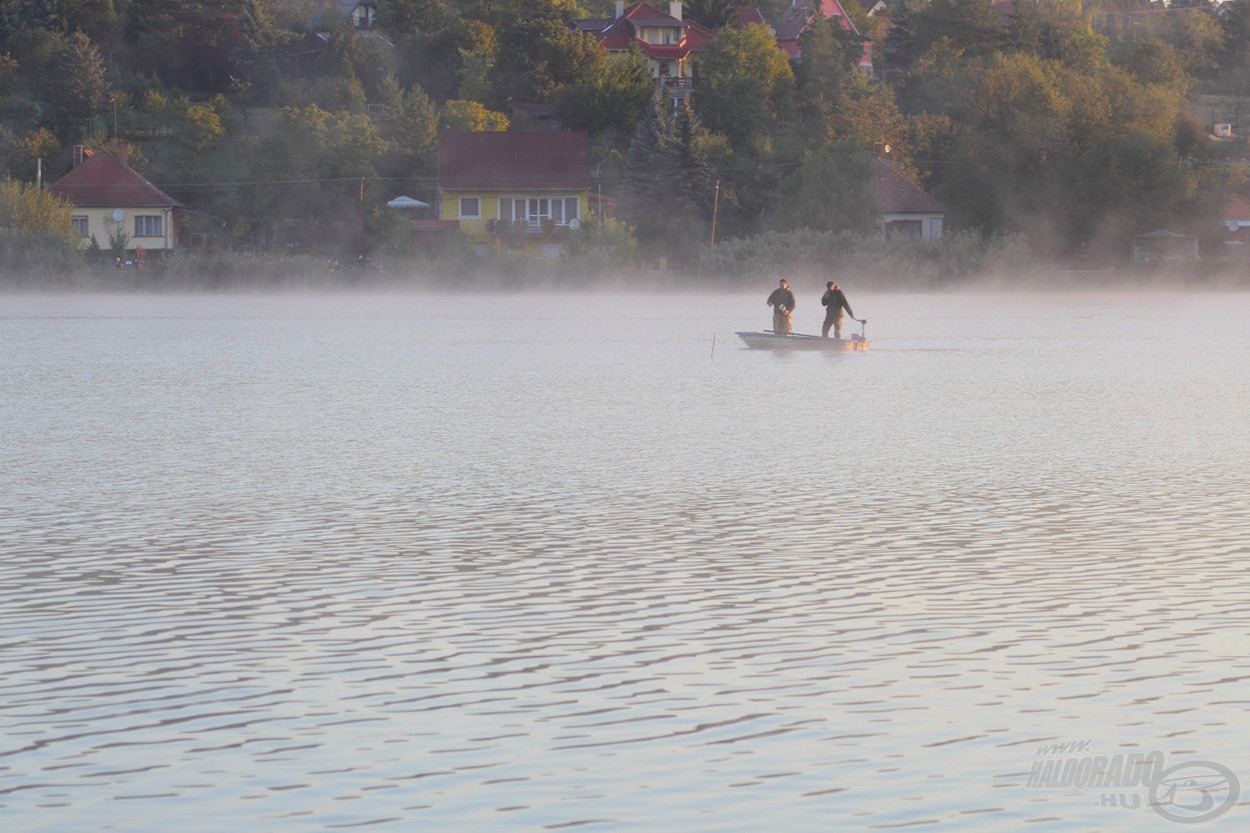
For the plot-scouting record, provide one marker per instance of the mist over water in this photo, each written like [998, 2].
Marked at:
[537, 561]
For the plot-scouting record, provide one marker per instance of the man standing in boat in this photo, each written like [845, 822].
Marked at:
[782, 302]
[834, 302]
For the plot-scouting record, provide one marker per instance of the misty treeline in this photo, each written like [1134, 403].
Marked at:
[1060, 125]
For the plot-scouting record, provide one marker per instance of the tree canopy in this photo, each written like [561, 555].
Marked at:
[1069, 123]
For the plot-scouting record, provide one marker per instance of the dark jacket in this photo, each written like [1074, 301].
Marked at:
[781, 298]
[835, 301]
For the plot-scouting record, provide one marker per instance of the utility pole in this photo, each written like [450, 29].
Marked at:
[715, 207]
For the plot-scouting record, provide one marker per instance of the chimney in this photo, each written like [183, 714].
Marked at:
[78, 155]
[123, 152]
[620, 9]
[674, 9]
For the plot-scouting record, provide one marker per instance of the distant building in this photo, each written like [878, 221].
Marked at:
[670, 44]
[110, 198]
[1235, 218]
[1164, 245]
[334, 13]
[801, 14]
[334, 16]
[906, 210]
[522, 191]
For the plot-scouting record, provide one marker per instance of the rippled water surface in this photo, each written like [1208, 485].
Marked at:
[537, 562]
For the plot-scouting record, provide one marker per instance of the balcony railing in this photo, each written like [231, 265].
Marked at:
[543, 229]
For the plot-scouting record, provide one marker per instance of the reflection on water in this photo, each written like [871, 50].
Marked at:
[543, 562]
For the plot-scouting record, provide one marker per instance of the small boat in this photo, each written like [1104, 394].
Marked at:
[799, 341]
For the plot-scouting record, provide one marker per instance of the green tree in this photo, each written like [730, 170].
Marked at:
[610, 100]
[410, 17]
[669, 186]
[830, 64]
[971, 26]
[745, 82]
[471, 115]
[1151, 61]
[1197, 35]
[408, 120]
[19, 155]
[36, 239]
[317, 168]
[477, 59]
[1058, 30]
[901, 49]
[831, 190]
[25, 208]
[198, 46]
[1235, 23]
[713, 14]
[601, 245]
[201, 130]
[73, 85]
[536, 57]
[1133, 183]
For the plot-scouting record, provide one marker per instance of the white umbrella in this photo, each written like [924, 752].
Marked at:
[407, 202]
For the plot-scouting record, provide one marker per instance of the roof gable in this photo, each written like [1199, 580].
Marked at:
[619, 34]
[896, 195]
[542, 160]
[646, 15]
[796, 18]
[744, 16]
[335, 12]
[1237, 209]
[102, 180]
[1236, 213]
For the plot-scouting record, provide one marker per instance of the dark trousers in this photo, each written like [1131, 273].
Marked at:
[834, 320]
[781, 321]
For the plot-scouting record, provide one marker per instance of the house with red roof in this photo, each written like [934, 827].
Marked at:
[112, 200]
[670, 44]
[906, 210]
[515, 190]
[798, 18]
[1236, 214]
[1236, 221]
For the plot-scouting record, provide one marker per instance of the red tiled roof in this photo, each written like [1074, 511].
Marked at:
[795, 20]
[619, 34]
[104, 181]
[895, 195]
[527, 161]
[1236, 210]
[644, 13]
[744, 16]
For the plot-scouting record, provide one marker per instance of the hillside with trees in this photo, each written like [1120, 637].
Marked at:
[1062, 126]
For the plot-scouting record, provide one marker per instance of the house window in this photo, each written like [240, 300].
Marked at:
[536, 210]
[470, 208]
[149, 225]
[910, 229]
[78, 224]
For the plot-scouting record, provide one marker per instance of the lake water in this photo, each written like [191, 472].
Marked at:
[512, 562]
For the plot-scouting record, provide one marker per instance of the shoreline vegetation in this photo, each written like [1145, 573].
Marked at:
[866, 261]
[1063, 142]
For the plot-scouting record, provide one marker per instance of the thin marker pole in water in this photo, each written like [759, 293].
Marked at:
[713, 344]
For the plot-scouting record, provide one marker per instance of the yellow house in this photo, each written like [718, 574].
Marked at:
[518, 191]
[112, 201]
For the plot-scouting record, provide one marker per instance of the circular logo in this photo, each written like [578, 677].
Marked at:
[1194, 792]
